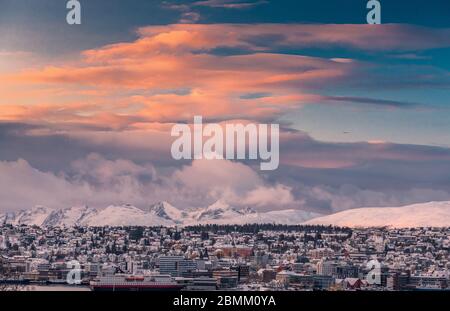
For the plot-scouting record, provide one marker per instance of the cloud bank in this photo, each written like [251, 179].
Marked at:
[95, 128]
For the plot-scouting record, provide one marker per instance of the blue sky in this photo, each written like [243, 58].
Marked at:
[40, 27]
[43, 22]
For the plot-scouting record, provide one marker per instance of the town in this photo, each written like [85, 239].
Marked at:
[226, 257]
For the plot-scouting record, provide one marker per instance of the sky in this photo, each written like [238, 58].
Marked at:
[86, 110]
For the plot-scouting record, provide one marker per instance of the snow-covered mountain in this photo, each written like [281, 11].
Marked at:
[222, 213]
[7, 218]
[219, 211]
[160, 214]
[70, 216]
[290, 217]
[35, 216]
[166, 211]
[432, 214]
[125, 215]
[286, 217]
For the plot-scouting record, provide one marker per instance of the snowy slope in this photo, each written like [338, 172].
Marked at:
[160, 214]
[287, 217]
[222, 213]
[70, 217]
[432, 214]
[125, 215]
[435, 214]
[219, 211]
[35, 216]
[7, 218]
[168, 212]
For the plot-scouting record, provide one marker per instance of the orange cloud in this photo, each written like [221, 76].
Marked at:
[171, 73]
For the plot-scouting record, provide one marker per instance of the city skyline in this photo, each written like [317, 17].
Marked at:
[87, 109]
[256, 258]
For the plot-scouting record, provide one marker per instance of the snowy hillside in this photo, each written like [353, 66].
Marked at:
[432, 214]
[160, 214]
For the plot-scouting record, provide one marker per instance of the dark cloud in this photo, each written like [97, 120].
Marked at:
[264, 40]
[313, 175]
[230, 4]
[371, 101]
[55, 150]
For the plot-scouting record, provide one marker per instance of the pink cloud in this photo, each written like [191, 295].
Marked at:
[127, 84]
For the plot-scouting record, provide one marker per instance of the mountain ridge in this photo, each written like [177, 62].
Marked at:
[430, 214]
[159, 214]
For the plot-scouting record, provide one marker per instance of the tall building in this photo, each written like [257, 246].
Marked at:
[347, 271]
[186, 268]
[177, 266]
[243, 272]
[323, 281]
[169, 265]
[226, 278]
[326, 267]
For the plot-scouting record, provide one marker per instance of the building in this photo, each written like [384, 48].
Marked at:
[323, 282]
[201, 284]
[236, 251]
[267, 275]
[398, 281]
[226, 278]
[428, 282]
[302, 281]
[347, 271]
[325, 267]
[243, 273]
[169, 265]
[186, 268]
[320, 253]
[352, 283]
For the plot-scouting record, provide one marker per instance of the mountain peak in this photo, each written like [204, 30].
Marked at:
[248, 210]
[71, 216]
[219, 205]
[34, 216]
[217, 211]
[159, 214]
[166, 211]
[40, 208]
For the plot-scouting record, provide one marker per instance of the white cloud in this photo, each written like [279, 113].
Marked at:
[99, 182]
[22, 187]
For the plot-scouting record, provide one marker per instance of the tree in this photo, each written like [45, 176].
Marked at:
[137, 233]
